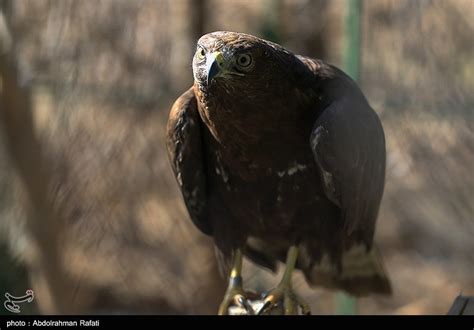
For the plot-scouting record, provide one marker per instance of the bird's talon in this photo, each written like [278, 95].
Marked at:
[244, 303]
[305, 309]
[284, 297]
[236, 296]
[266, 305]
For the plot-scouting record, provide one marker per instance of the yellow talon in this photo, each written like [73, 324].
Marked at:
[235, 294]
[283, 293]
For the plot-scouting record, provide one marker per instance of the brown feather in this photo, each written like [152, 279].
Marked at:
[291, 153]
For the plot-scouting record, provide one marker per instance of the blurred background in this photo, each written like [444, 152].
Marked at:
[90, 214]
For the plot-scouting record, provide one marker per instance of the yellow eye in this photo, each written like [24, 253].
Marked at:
[201, 53]
[244, 60]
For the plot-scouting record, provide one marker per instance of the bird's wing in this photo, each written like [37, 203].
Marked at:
[348, 145]
[184, 144]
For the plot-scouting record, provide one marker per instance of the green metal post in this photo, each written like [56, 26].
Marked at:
[346, 304]
[272, 20]
[351, 60]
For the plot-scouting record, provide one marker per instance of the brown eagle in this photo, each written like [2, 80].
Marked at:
[280, 158]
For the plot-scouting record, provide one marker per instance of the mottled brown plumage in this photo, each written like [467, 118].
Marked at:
[273, 149]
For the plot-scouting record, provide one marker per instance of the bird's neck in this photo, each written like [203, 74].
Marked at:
[257, 132]
[245, 120]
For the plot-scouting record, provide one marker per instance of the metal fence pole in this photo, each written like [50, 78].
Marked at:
[346, 304]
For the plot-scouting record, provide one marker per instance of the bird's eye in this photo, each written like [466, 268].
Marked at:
[244, 60]
[201, 53]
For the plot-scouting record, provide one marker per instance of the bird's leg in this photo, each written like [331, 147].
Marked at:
[235, 294]
[283, 293]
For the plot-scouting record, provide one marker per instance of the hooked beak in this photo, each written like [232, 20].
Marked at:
[214, 66]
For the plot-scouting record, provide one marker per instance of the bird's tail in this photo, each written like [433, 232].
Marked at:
[362, 273]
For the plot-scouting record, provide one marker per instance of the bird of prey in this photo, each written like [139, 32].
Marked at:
[280, 157]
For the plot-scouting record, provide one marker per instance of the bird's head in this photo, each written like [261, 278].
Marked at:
[239, 62]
